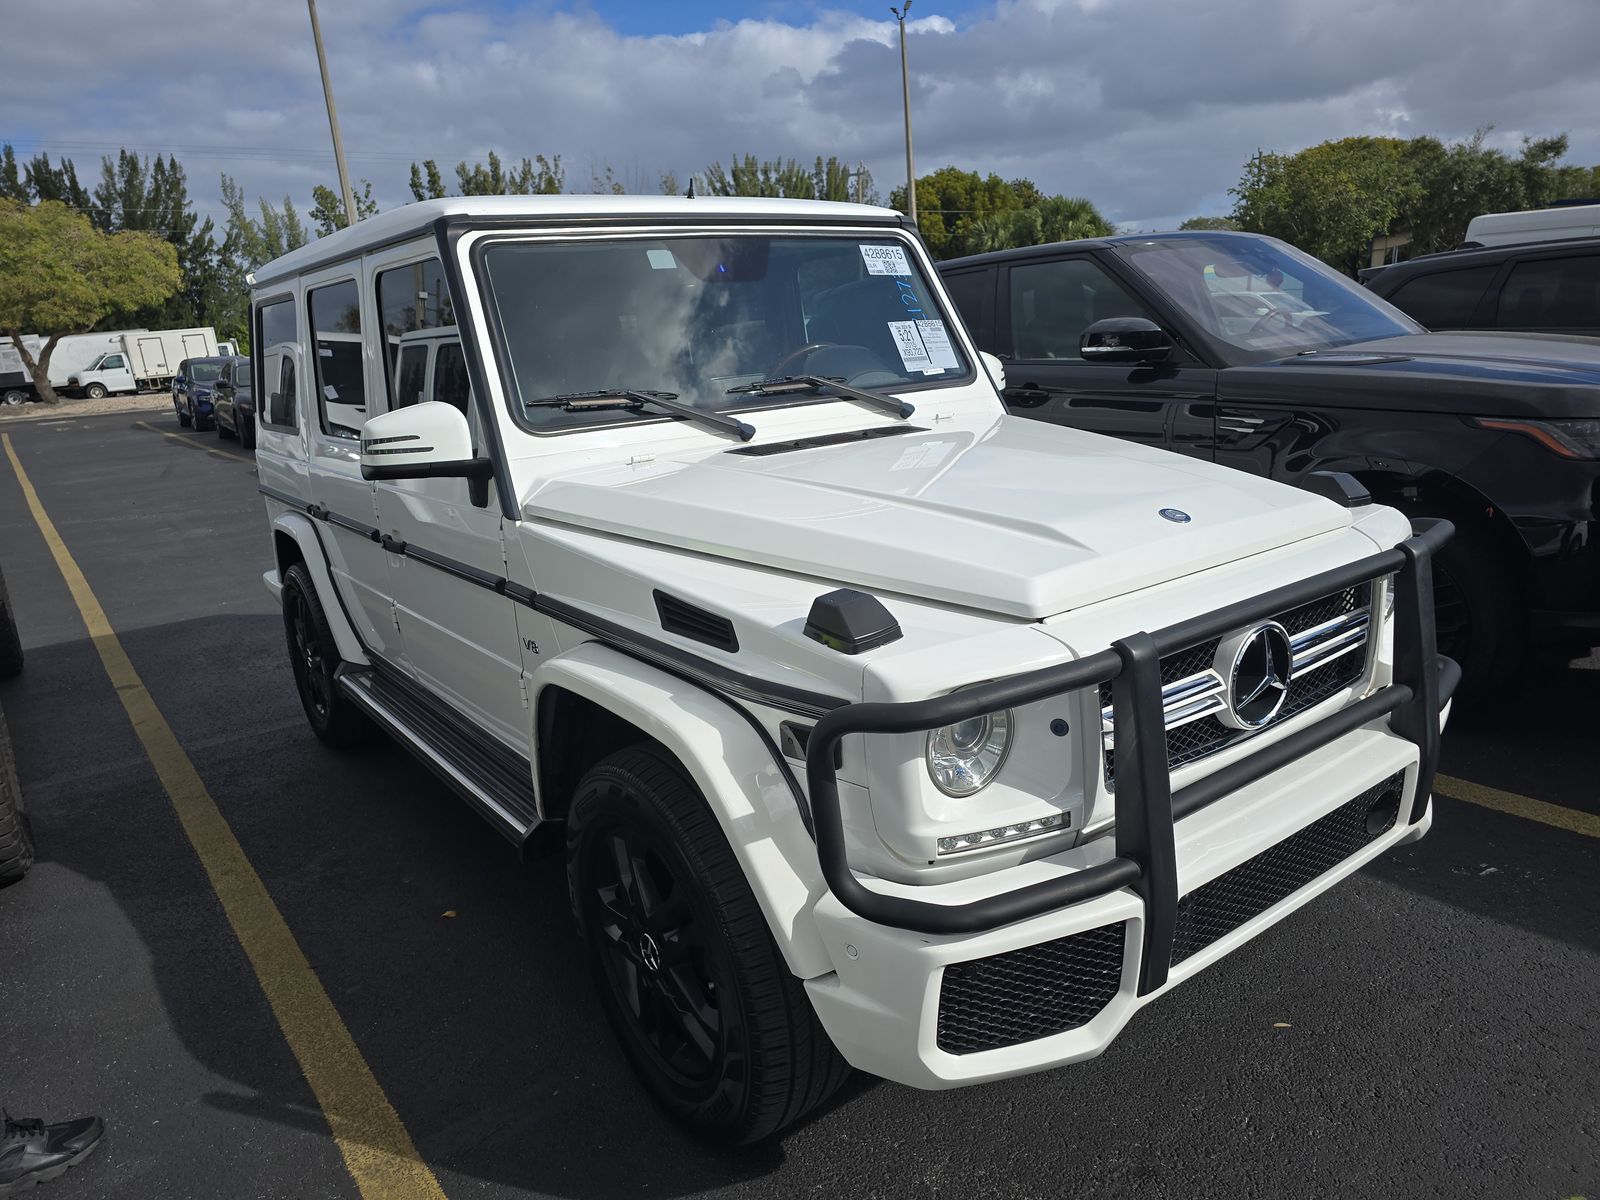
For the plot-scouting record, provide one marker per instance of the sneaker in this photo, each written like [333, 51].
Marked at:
[32, 1152]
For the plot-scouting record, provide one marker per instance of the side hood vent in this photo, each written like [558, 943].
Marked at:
[695, 623]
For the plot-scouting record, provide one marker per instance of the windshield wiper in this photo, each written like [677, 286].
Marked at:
[815, 383]
[628, 398]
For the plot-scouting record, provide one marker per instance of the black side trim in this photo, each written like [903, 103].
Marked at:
[828, 439]
[692, 666]
[461, 570]
[695, 623]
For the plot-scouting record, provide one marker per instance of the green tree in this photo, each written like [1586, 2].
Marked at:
[747, 175]
[961, 212]
[531, 177]
[327, 207]
[430, 189]
[248, 243]
[1052, 219]
[60, 275]
[1213, 223]
[1330, 200]
[56, 183]
[11, 185]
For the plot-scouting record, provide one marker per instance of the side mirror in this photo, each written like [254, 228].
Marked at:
[424, 441]
[996, 369]
[1125, 340]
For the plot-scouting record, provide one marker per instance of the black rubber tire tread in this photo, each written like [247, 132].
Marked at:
[345, 725]
[16, 835]
[10, 639]
[793, 1065]
[95, 391]
[247, 435]
[183, 417]
[1497, 650]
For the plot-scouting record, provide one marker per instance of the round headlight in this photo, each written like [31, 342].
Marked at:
[965, 757]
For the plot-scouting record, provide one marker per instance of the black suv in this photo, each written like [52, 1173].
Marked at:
[1242, 350]
[1534, 287]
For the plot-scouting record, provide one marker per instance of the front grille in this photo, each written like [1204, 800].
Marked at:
[1191, 739]
[1030, 993]
[1234, 897]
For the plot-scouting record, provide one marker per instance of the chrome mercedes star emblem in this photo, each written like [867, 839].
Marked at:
[1176, 515]
[1262, 661]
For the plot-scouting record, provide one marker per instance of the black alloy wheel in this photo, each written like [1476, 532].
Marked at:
[656, 954]
[314, 658]
[700, 996]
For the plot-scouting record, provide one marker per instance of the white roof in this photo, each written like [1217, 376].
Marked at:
[397, 222]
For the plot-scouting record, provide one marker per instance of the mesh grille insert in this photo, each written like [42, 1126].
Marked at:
[1228, 901]
[1030, 993]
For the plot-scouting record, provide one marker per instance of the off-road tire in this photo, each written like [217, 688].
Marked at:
[10, 639]
[16, 835]
[1472, 583]
[95, 391]
[783, 1064]
[314, 657]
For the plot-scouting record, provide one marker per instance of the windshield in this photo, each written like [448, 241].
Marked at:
[693, 317]
[1263, 298]
[205, 372]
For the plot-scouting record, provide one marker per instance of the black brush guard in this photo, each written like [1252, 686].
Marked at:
[1146, 805]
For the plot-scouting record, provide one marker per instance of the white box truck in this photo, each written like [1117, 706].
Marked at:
[145, 360]
[73, 352]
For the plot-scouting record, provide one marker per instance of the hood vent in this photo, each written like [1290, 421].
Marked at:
[695, 623]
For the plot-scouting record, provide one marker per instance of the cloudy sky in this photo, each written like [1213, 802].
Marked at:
[1148, 107]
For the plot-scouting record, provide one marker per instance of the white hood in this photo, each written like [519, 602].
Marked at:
[1015, 517]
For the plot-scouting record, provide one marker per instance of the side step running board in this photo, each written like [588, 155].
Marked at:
[495, 779]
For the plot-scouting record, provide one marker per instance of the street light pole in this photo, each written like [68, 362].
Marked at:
[333, 119]
[900, 15]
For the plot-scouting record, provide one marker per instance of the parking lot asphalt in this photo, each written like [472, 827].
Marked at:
[1429, 1028]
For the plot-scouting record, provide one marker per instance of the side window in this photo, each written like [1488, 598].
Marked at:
[281, 409]
[112, 363]
[1444, 300]
[450, 384]
[1053, 303]
[971, 291]
[410, 298]
[412, 376]
[335, 312]
[1552, 293]
[275, 328]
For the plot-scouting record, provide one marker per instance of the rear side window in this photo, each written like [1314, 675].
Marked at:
[971, 290]
[450, 384]
[412, 376]
[1445, 300]
[280, 406]
[274, 329]
[1552, 293]
[335, 312]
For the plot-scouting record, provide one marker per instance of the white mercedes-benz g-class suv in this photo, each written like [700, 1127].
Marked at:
[883, 729]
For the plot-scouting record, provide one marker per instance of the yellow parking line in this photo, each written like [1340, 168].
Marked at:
[377, 1149]
[194, 445]
[1570, 819]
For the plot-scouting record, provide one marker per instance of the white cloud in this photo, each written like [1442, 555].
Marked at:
[1149, 107]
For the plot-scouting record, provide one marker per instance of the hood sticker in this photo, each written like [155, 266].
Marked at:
[885, 260]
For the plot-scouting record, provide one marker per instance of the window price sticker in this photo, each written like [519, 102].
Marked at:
[924, 346]
[937, 343]
[885, 260]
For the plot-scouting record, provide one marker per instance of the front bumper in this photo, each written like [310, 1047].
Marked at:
[1140, 899]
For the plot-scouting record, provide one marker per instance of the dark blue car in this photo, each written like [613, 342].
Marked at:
[233, 406]
[192, 390]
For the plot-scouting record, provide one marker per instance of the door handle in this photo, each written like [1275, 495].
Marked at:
[1026, 397]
